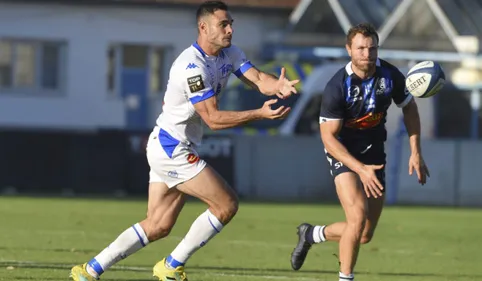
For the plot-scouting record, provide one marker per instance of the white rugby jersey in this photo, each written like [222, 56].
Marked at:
[194, 77]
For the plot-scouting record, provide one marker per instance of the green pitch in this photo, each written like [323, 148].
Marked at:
[40, 239]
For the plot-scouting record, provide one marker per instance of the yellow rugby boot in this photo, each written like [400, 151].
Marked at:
[165, 274]
[79, 273]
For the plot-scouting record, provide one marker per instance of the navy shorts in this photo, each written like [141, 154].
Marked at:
[367, 153]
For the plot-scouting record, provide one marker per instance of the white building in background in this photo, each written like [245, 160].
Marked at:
[100, 66]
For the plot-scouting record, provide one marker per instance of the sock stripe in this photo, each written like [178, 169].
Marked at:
[213, 225]
[347, 278]
[173, 262]
[95, 265]
[321, 233]
[139, 235]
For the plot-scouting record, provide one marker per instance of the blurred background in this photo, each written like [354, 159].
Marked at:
[82, 83]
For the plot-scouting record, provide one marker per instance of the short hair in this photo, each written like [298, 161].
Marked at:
[367, 29]
[209, 7]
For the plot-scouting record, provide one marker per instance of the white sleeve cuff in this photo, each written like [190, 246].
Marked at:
[324, 119]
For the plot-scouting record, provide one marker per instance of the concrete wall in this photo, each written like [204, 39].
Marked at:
[295, 169]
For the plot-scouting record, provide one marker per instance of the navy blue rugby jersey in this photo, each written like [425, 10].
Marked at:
[363, 104]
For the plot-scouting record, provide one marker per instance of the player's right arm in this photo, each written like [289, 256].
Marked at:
[201, 94]
[218, 119]
[331, 123]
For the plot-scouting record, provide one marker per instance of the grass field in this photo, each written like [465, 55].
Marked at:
[40, 239]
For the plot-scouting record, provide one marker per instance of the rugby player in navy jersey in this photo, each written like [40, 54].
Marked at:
[352, 126]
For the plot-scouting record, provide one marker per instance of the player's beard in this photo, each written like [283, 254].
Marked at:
[365, 66]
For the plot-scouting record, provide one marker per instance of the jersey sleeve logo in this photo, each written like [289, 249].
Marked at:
[195, 83]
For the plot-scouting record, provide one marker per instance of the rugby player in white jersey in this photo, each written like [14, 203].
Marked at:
[196, 80]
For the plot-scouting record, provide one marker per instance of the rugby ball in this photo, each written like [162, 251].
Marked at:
[425, 79]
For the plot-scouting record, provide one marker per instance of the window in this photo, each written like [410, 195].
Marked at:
[134, 56]
[111, 66]
[30, 65]
[157, 64]
[50, 70]
[24, 65]
[125, 57]
[5, 64]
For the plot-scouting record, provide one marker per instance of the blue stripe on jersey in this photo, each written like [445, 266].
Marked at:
[196, 45]
[204, 96]
[168, 142]
[388, 79]
[367, 84]
[347, 88]
[369, 95]
[244, 67]
[95, 265]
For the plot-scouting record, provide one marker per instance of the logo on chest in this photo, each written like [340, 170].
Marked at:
[354, 94]
[225, 70]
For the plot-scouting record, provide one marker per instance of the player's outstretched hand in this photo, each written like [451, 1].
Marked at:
[371, 184]
[285, 87]
[417, 163]
[268, 113]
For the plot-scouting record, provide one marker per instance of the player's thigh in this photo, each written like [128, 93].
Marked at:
[164, 204]
[212, 189]
[349, 189]
[351, 196]
[166, 170]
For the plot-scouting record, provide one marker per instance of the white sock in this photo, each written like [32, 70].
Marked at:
[344, 277]
[205, 227]
[128, 242]
[318, 233]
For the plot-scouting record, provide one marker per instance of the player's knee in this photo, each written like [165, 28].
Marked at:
[158, 231]
[227, 211]
[157, 226]
[366, 238]
[357, 220]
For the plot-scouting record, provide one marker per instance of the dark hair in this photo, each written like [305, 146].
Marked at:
[209, 7]
[367, 29]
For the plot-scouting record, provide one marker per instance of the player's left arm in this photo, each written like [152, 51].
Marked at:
[266, 83]
[411, 118]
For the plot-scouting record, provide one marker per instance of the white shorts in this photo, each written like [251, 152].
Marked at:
[171, 161]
